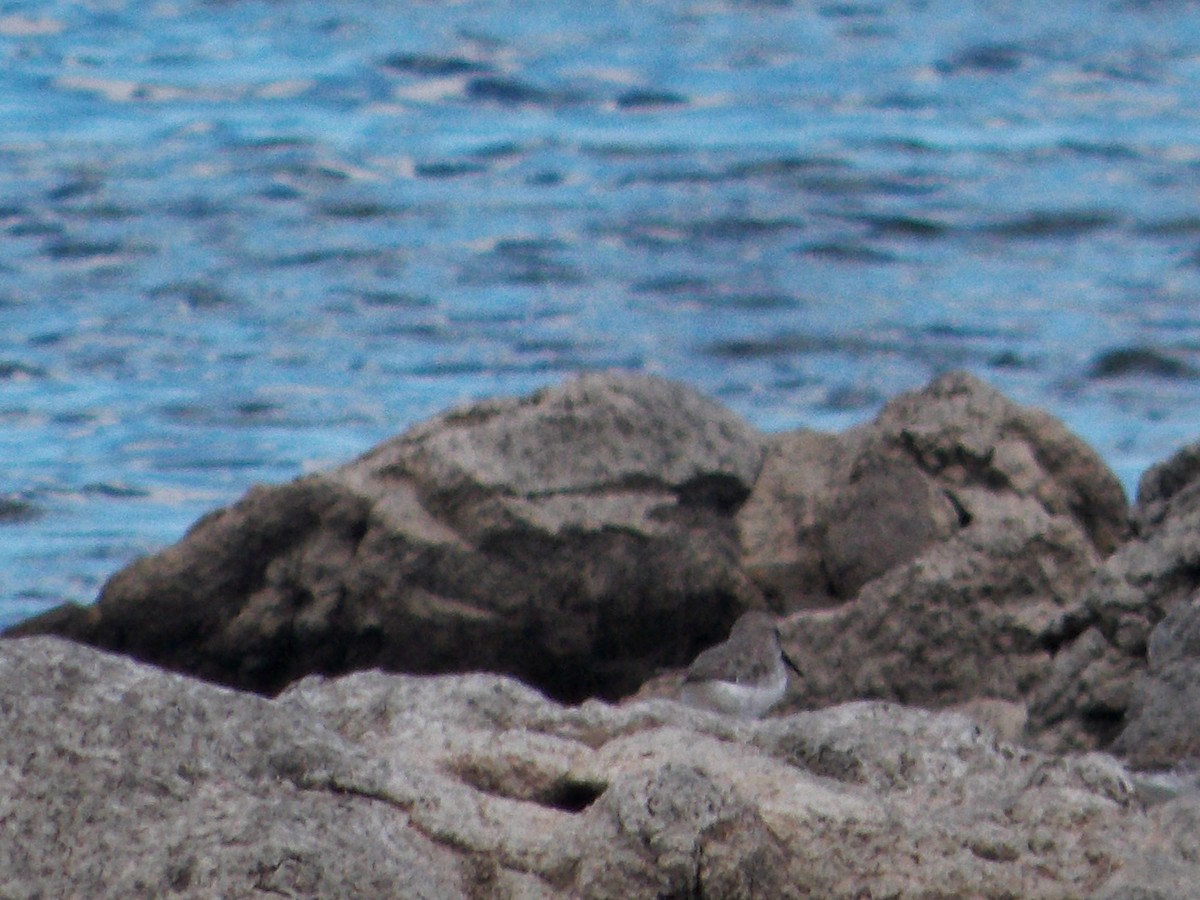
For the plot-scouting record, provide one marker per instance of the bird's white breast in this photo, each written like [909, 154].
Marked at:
[749, 701]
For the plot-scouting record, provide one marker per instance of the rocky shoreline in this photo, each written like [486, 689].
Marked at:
[999, 654]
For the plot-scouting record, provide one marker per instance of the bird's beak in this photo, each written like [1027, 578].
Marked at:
[791, 663]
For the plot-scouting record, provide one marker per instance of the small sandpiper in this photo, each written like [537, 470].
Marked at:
[746, 675]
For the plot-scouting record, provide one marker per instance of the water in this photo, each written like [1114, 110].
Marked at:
[245, 240]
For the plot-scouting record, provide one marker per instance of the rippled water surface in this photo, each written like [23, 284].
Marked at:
[242, 240]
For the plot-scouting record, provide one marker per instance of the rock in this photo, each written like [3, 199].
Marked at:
[831, 512]
[122, 781]
[1090, 692]
[581, 538]
[1162, 727]
[594, 535]
[935, 555]
[126, 780]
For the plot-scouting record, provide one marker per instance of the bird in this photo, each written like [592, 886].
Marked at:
[744, 676]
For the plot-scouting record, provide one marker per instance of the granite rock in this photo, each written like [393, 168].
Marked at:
[132, 781]
[1092, 685]
[581, 538]
[935, 555]
[1162, 729]
[601, 533]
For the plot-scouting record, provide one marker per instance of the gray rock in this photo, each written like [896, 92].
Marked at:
[1163, 720]
[581, 538]
[935, 555]
[1089, 695]
[829, 513]
[125, 780]
[597, 534]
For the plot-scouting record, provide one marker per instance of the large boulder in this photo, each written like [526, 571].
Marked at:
[581, 538]
[829, 513]
[935, 555]
[124, 780]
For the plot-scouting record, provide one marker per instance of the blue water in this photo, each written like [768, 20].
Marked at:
[245, 240]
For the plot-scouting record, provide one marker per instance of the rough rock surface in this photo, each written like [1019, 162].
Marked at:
[1094, 676]
[935, 555]
[581, 538]
[1163, 722]
[829, 513]
[592, 535]
[128, 781]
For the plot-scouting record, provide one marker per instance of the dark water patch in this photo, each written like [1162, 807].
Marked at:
[452, 169]
[1107, 150]
[652, 233]
[848, 252]
[195, 295]
[983, 59]
[257, 410]
[788, 344]
[113, 491]
[430, 65]
[355, 209]
[306, 172]
[322, 255]
[394, 299]
[17, 510]
[849, 398]
[273, 142]
[784, 167]
[78, 249]
[1141, 69]
[521, 261]
[81, 249]
[47, 339]
[545, 179]
[671, 285]
[1184, 226]
[859, 184]
[618, 152]
[904, 226]
[76, 418]
[1122, 362]
[34, 228]
[749, 301]
[648, 98]
[1010, 359]
[508, 91]
[73, 189]
[524, 248]
[1053, 224]
[280, 192]
[246, 412]
[529, 273]
[102, 212]
[906, 101]
[561, 346]
[957, 332]
[500, 150]
[690, 291]
[676, 173]
[439, 368]
[15, 370]
[850, 10]
[741, 228]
